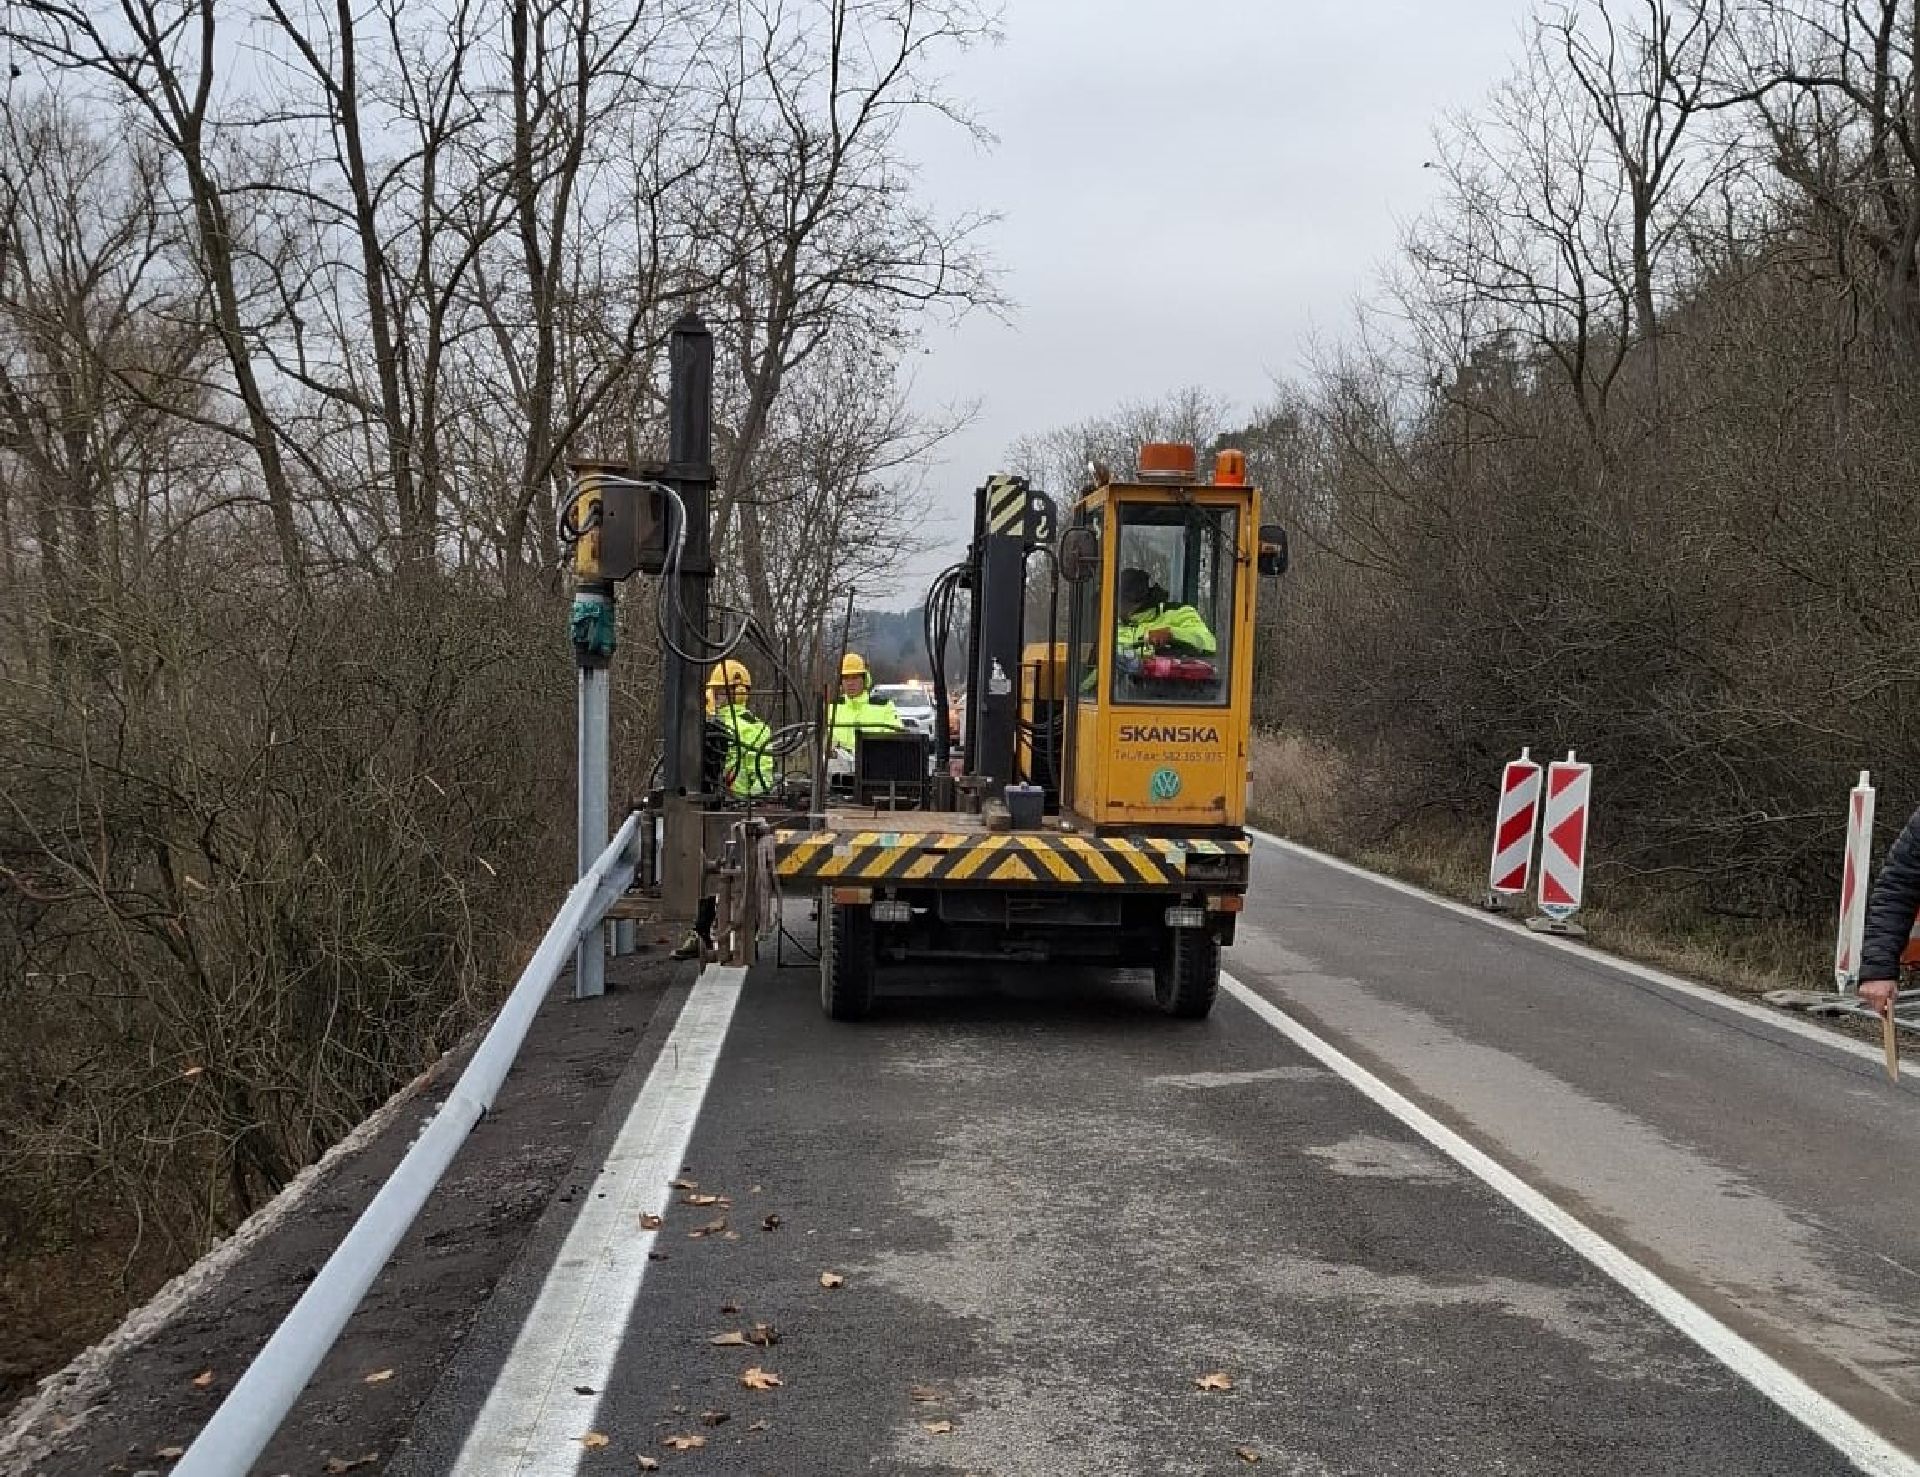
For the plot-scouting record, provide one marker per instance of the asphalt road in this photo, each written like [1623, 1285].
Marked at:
[1051, 1215]
[1765, 1171]
[1056, 1212]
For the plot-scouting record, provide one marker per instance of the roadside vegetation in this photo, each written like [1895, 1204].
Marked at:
[302, 310]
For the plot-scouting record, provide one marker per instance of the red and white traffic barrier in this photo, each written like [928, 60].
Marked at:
[1513, 830]
[1563, 849]
[1853, 885]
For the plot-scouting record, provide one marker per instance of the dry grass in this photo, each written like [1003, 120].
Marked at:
[1313, 794]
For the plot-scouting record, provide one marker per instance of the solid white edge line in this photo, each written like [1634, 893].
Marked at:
[532, 1422]
[1852, 1438]
[1767, 1015]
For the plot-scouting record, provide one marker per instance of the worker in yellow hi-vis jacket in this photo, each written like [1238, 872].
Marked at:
[747, 767]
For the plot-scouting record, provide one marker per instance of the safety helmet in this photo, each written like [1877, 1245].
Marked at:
[853, 665]
[730, 673]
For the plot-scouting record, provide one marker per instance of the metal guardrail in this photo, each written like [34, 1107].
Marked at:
[259, 1401]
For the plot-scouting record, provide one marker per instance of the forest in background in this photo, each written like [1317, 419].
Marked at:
[303, 309]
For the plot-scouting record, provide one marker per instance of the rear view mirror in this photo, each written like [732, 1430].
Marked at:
[1273, 549]
[1079, 554]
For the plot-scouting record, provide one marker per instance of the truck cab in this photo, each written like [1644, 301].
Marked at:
[1159, 687]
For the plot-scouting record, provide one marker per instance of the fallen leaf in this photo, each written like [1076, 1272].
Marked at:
[731, 1339]
[705, 1200]
[729, 1307]
[1218, 1380]
[648, 1464]
[684, 1185]
[1247, 1454]
[832, 1279]
[594, 1440]
[203, 1380]
[684, 1443]
[730, 1236]
[336, 1465]
[757, 1378]
[171, 1453]
[714, 1417]
[923, 1393]
[711, 1228]
[771, 1223]
[755, 1190]
[937, 1428]
[192, 1072]
[378, 1377]
[764, 1334]
[650, 1222]
[585, 1390]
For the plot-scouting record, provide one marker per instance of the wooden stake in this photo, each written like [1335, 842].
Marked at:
[1891, 1041]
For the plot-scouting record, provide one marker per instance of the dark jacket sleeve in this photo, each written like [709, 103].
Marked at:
[1892, 904]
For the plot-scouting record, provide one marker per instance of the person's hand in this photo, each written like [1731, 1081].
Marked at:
[1879, 994]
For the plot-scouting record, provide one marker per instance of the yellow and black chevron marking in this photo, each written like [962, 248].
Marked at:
[1006, 503]
[1018, 858]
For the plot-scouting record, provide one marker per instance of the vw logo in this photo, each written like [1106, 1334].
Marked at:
[1165, 784]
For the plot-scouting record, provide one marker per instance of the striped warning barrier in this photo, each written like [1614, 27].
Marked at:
[1513, 829]
[1007, 858]
[1855, 869]
[1563, 851]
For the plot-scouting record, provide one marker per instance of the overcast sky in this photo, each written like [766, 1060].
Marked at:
[1189, 190]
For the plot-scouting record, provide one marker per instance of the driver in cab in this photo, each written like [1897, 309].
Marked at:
[1149, 626]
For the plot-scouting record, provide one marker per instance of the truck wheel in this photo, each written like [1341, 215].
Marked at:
[847, 964]
[1187, 976]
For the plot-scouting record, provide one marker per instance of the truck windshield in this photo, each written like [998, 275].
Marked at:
[1173, 604]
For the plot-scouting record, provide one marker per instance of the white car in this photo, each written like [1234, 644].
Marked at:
[911, 701]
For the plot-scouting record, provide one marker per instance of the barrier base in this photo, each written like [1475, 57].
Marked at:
[1496, 902]
[1560, 927]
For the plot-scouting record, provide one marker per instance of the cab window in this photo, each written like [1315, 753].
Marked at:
[1172, 635]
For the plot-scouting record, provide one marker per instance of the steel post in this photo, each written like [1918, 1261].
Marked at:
[682, 718]
[993, 702]
[596, 687]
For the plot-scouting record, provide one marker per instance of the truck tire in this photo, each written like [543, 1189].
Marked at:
[847, 963]
[1187, 977]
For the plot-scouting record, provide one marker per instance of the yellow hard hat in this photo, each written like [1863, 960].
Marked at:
[730, 673]
[853, 665]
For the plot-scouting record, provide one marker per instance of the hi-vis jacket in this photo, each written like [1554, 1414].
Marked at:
[748, 768]
[1182, 623]
[855, 715]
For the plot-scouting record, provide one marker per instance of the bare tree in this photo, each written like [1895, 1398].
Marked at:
[160, 64]
[826, 241]
[1648, 81]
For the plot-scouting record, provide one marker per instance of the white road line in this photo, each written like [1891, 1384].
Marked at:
[1864, 1447]
[532, 1421]
[1767, 1015]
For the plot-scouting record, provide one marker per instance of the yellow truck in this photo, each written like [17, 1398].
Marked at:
[1096, 811]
